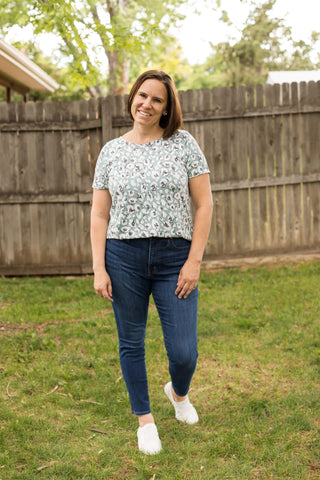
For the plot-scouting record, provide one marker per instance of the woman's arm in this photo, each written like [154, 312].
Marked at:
[100, 212]
[200, 191]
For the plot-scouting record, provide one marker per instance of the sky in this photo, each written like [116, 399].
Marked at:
[198, 30]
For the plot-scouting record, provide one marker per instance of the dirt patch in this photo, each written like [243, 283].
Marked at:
[37, 328]
[244, 263]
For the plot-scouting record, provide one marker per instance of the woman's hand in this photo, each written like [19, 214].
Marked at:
[102, 285]
[188, 278]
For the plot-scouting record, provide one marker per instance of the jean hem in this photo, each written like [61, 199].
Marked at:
[142, 413]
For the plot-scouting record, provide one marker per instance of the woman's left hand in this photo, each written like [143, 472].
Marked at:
[188, 278]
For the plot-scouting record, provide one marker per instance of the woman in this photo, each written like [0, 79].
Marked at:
[141, 205]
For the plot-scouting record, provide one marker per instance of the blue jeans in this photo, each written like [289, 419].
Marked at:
[139, 268]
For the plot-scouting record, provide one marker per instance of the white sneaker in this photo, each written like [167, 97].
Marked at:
[185, 411]
[148, 439]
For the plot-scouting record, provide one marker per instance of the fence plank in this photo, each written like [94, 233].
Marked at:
[313, 130]
[94, 146]
[51, 157]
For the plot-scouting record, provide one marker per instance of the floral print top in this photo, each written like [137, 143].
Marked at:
[148, 185]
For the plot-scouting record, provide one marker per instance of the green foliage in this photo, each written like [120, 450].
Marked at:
[166, 55]
[103, 45]
[88, 30]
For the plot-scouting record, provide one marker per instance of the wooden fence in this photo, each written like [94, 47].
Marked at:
[262, 145]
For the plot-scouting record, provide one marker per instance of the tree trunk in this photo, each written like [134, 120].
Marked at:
[119, 64]
[118, 73]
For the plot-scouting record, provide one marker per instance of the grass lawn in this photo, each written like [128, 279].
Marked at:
[64, 410]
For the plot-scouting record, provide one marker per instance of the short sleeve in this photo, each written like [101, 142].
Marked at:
[101, 174]
[196, 163]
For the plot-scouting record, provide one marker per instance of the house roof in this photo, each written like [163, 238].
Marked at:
[290, 76]
[21, 74]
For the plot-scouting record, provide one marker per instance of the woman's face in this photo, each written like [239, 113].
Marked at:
[149, 103]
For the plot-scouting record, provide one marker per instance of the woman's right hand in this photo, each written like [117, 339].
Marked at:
[102, 285]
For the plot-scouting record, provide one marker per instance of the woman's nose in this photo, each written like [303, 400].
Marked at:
[147, 102]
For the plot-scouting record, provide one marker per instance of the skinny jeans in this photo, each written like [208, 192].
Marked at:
[138, 268]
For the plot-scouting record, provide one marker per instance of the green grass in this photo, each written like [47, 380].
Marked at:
[256, 387]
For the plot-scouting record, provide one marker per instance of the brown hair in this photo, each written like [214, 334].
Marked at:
[173, 120]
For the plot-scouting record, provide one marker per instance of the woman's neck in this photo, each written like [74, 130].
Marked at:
[141, 135]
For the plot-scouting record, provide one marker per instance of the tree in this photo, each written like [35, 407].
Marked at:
[266, 44]
[166, 56]
[119, 30]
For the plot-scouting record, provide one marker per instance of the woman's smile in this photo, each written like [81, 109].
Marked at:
[144, 114]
